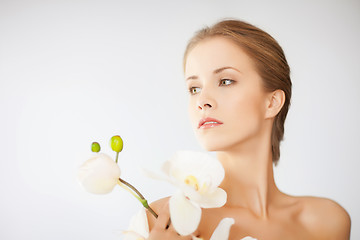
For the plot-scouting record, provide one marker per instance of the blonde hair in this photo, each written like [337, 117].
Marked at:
[269, 60]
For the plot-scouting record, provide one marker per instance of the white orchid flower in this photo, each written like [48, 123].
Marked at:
[139, 228]
[197, 176]
[99, 174]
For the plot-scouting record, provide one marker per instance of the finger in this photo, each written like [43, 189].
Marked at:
[187, 237]
[163, 217]
[182, 237]
[170, 227]
[168, 223]
[196, 234]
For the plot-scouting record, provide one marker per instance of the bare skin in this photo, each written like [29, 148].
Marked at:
[224, 85]
[303, 218]
[160, 229]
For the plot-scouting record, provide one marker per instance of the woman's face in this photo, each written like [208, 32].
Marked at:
[227, 101]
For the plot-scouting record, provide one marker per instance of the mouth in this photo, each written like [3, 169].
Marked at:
[208, 123]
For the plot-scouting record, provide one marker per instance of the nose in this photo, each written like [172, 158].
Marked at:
[206, 105]
[205, 101]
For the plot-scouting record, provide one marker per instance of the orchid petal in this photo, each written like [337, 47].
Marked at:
[138, 226]
[213, 199]
[223, 229]
[166, 167]
[150, 174]
[199, 164]
[99, 174]
[185, 216]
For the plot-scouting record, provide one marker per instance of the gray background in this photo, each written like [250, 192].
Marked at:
[73, 72]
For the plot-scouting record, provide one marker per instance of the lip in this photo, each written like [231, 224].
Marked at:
[209, 123]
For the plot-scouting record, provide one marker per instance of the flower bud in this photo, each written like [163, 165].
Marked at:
[99, 174]
[95, 147]
[116, 143]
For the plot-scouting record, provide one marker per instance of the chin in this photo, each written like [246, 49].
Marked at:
[213, 144]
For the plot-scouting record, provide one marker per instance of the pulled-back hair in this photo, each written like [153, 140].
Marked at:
[269, 60]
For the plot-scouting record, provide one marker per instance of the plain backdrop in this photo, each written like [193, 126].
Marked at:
[73, 72]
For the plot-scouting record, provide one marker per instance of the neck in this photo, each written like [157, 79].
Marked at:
[249, 180]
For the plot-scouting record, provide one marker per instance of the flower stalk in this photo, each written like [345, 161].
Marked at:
[130, 188]
[117, 157]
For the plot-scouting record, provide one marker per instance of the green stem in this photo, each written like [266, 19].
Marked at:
[146, 205]
[130, 188]
[117, 157]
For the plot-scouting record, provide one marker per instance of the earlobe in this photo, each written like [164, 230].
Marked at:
[275, 101]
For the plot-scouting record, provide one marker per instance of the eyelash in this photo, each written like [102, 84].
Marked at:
[231, 81]
[220, 84]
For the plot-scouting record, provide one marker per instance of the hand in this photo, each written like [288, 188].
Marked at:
[162, 231]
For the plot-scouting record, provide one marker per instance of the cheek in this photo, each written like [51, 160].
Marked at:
[244, 114]
[244, 109]
[192, 113]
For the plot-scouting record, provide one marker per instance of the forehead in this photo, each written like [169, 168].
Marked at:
[216, 52]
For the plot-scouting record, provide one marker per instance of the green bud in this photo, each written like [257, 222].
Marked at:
[116, 143]
[95, 147]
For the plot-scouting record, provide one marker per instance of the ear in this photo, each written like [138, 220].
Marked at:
[274, 102]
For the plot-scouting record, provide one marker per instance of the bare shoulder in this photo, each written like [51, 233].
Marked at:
[325, 218]
[156, 206]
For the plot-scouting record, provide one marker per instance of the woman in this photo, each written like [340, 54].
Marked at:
[240, 90]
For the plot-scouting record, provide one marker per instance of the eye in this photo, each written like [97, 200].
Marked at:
[225, 82]
[194, 90]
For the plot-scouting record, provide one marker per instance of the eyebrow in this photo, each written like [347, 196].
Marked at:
[216, 71]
